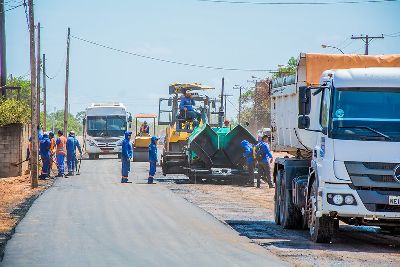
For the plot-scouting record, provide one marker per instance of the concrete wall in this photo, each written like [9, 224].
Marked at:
[13, 144]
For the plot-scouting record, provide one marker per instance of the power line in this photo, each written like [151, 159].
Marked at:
[12, 8]
[294, 3]
[167, 60]
[395, 34]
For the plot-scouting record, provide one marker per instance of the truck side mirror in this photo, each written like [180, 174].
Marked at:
[303, 122]
[304, 100]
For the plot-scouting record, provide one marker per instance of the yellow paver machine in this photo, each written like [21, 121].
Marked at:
[142, 136]
[173, 158]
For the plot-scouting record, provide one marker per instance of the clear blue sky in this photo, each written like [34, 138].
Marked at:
[237, 36]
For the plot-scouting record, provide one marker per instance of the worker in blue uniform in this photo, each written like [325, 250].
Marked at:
[77, 146]
[126, 157]
[44, 149]
[264, 158]
[153, 157]
[71, 154]
[249, 156]
[186, 107]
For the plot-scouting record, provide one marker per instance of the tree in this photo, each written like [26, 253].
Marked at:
[289, 69]
[57, 118]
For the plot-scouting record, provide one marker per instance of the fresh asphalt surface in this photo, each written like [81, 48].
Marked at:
[93, 220]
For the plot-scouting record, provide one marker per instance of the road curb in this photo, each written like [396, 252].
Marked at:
[19, 213]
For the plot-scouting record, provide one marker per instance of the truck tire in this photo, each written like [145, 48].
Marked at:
[290, 217]
[277, 200]
[321, 229]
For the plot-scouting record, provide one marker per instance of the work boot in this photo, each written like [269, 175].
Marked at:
[150, 180]
[271, 185]
[124, 180]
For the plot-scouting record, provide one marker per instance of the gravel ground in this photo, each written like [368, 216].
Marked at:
[16, 197]
[250, 212]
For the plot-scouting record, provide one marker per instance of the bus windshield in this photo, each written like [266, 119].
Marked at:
[106, 126]
[366, 114]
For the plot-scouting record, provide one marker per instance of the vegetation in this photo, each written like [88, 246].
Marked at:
[57, 119]
[13, 111]
[258, 116]
[289, 69]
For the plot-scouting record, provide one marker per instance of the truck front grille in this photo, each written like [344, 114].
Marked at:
[372, 175]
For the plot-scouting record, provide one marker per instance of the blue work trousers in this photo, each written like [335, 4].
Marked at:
[126, 167]
[60, 163]
[71, 162]
[153, 167]
[46, 165]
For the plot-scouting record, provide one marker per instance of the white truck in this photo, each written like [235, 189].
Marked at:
[104, 128]
[338, 119]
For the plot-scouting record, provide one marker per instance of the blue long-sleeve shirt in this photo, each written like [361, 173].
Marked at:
[44, 146]
[77, 145]
[186, 102]
[127, 151]
[248, 151]
[265, 150]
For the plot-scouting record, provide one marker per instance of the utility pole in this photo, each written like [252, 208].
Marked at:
[66, 84]
[221, 114]
[3, 70]
[367, 39]
[34, 123]
[240, 100]
[44, 93]
[38, 72]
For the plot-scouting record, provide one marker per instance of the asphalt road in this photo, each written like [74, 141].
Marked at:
[93, 220]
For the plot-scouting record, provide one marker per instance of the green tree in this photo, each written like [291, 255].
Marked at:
[57, 118]
[289, 69]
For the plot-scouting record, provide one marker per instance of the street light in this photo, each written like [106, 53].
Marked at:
[331, 46]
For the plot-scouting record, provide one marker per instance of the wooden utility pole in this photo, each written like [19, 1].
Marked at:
[34, 123]
[3, 71]
[38, 72]
[367, 39]
[44, 93]
[66, 84]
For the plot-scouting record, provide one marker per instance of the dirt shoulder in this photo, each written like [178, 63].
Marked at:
[250, 212]
[16, 197]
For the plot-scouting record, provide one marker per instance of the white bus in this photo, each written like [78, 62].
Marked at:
[104, 128]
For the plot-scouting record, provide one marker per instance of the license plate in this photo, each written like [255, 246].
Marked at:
[394, 200]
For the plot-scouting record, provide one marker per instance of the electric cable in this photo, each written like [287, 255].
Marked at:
[167, 60]
[295, 3]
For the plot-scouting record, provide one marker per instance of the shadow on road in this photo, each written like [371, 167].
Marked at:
[348, 238]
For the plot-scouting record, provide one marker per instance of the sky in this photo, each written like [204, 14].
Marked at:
[244, 36]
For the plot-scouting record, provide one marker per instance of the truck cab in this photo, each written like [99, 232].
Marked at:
[347, 161]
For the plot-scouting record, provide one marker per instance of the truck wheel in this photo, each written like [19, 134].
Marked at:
[290, 217]
[277, 199]
[321, 229]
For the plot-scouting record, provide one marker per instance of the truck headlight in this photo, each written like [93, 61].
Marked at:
[341, 199]
[349, 200]
[338, 199]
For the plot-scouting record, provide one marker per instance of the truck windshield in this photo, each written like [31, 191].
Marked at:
[106, 126]
[366, 114]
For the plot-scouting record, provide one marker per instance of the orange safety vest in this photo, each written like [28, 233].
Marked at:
[52, 146]
[62, 146]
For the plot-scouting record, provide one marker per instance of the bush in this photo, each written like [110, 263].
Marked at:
[13, 111]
